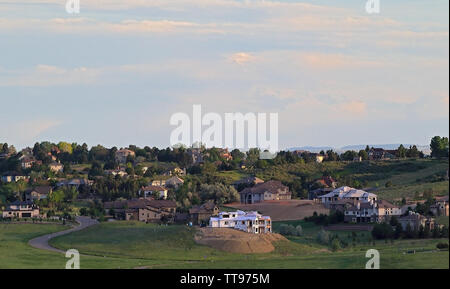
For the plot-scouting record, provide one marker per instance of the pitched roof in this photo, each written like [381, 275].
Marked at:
[206, 208]
[43, 190]
[273, 187]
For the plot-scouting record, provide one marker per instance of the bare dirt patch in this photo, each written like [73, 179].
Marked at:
[284, 210]
[235, 241]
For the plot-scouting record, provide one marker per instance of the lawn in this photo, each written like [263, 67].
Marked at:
[173, 247]
[15, 253]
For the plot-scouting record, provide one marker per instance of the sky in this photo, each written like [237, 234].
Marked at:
[116, 72]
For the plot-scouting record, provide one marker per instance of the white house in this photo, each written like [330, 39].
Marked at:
[348, 193]
[250, 222]
[151, 190]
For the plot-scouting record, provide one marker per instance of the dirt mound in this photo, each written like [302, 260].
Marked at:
[235, 241]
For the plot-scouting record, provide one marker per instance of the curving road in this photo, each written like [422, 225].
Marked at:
[42, 241]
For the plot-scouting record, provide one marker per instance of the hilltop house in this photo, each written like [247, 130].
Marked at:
[21, 210]
[150, 191]
[381, 154]
[250, 222]
[123, 154]
[271, 190]
[143, 210]
[201, 214]
[27, 162]
[371, 212]
[38, 193]
[348, 194]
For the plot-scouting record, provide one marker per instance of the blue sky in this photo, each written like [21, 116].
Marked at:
[116, 72]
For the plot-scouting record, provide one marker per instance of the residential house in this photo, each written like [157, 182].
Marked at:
[440, 207]
[21, 210]
[179, 172]
[150, 191]
[27, 162]
[415, 220]
[271, 190]
[38, 193]
[56, 167]
[249, 222]
[319, 158]
[196, 156]
[120, 172]
[371, 212]
[347, 193]
[123, 154]
[321, 187]
[143, 210]
[381, 154]
[76, 183]
[225, 154]
[174, 182]
[161, 183]
[248, 181]
[201, 214]
[13, 178]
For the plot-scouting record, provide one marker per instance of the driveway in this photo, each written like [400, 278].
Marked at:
[42, 242]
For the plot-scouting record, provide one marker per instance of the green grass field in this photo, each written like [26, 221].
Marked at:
[173, 247]
[136, 245]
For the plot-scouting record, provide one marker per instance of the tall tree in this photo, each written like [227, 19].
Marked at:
[439, 147]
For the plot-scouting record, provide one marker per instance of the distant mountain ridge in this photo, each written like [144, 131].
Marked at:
[313, 149]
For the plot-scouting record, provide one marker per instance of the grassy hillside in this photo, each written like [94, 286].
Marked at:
[406, 177]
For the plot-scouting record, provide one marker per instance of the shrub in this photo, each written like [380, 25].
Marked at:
[299, 230]
[323, 237]
[382, 231]
[288, 230]
[441, 246]
[335, 245]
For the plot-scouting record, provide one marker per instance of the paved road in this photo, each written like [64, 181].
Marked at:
[42, 242]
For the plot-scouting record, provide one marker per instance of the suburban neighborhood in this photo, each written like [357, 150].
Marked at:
[227, 194]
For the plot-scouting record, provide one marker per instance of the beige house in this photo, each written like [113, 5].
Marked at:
[123, 154]
[21, 210]
[415, 220]
[56, 167]
[142, 210]
[269, 191]
[38, 193]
